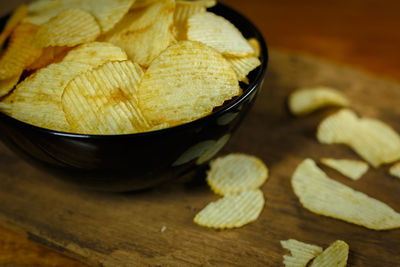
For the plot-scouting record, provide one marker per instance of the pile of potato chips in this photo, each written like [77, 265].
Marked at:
[120, 66]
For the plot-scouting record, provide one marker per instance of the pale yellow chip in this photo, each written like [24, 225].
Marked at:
[232, 211]
[20, 52]
[335, 255]
[37, 100]
[217, 32]
[142, 3]
[185, 83]
[68, 28]
[322, 195]
[306, 100]
[96, 53]
[8, 84]
[353, 169]
[395, 170]
[235, 173]
[103, 101]
[373, 140]
[17, 16]
[243, 66]
[300, 253]
[255, 44]
[144, 33]
[51, 54]
[107, 12]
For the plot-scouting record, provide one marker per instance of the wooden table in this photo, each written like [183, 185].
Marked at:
[360, 33]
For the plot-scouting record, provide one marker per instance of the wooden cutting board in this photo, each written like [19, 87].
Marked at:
[125, 229]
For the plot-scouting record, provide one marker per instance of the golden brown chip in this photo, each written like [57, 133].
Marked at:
[232, 211]
[37, 100]
[144, 33]
[8, 84]
[103, 101]
[185, 83]
[5, 108]
[255, 44]
[20, 52]
[68, 28]
[17, 16]
[350, 168]
[51, 54]
[373, 140]
[322, 195]
[395, 170]
[243, 66]
[335, 255]
[235, 173]
[217, 32]
[300, 253]
[306, 100]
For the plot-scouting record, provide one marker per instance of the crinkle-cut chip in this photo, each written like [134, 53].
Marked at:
[205, 3]
[19, 52]
[37, 100]
[335, 255]
[103, 101]
[218, 33]
[300, 253]
[69, 28]
[353, 169]
[243, 66]
[232, 211]
[213, 150]
[96, 53]
[142, 36]
[51, 54]
[395, 170]
[255, 44]
[235, 173]
[8, 84]
[17, 16]
[107, 12]
[142, 3]
[373, 140]
[306, 100]
[322, 195]
[185, 83]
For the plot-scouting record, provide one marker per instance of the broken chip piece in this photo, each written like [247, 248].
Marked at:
[353, 169]
[235, 173]
[322, 195]
[300, 253]
[335, 255]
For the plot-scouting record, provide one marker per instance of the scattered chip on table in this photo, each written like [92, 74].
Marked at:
[335, 255]
[353, 169]
[300, 253]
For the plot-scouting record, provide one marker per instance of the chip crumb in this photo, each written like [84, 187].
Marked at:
[163, 228]
[353, 169]
[335, 255]
[300, 253]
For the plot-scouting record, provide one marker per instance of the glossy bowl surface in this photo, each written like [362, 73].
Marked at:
[137, 161]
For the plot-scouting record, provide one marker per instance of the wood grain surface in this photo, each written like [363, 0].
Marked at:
[360, 33]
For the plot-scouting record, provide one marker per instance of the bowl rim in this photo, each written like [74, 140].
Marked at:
[258, 80]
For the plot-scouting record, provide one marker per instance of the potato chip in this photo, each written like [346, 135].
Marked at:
[185, 83]
[20, 52]
[144, 33]
[335, 255]
[306, 100]
[103, 101]
[235, 173]
[96, 53]
[37, 100]
[300, 253]
[373, 140]
[68, 28]
[5, 108]
[253, 42]
[231, 211]
[395, 170]
[107, 12]
[142, 3]
[243, 66]
[13, 22]
[322, 195]
[217, 32]
[8, 84]
[51, 54]
[350, 168]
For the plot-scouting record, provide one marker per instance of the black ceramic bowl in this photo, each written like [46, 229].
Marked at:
[137, 161]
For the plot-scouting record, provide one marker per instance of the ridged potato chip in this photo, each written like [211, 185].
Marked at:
[8, 84]
[174, 91]
[51, 54]
[96, 53]
[353, 169]
[68, 28]
[322, 195]
[218, 33]
[395, 170]
[232, 211]
[335, 255]
[20, 52]
[300, 253]
[235, 173]
[306, 100]
[373, 140]
[17, 16]
[103, 101]
[145, 33]
[243, 66]
[37, 100]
